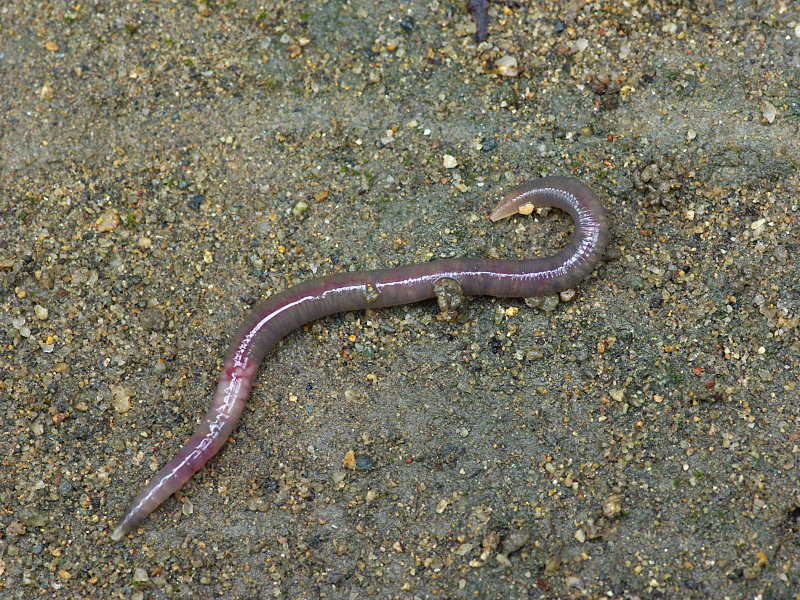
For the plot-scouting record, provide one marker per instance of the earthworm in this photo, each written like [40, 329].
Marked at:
[340, 292]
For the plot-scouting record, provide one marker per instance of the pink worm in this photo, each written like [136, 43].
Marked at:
[310, 300]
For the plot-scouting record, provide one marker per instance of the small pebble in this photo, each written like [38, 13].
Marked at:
[120, 399]
[463, 549]
[514, 542]
[506, 66]
[534, 354]
[24, 331]
[349, 460]
[107, 222]
[46, 92]
[15, 529]
[65, 488]
[612, 506]
[551, 565]
[751, 572]
[196, 200]
[257, 505]
[41, 312]
[566, 295]
[769, 112]
[363, 463]
[300, 208]
[526, 209]
[449, 161]
[545, 303]
[574, 582]
[140, 576]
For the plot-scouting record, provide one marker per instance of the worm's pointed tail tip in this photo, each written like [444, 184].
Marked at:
[118, 534]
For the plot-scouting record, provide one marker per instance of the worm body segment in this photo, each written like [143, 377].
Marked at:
[310, 300]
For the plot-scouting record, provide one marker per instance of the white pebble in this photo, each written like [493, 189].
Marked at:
[120, 399]
[769, 111]
[507, 66]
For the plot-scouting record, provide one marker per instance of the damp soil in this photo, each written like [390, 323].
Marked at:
[163, 166]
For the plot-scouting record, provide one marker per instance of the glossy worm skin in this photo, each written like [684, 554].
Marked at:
[280, 314]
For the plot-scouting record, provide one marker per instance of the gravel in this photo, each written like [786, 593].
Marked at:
[165, 165]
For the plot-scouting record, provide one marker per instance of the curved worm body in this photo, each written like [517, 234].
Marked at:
[280, 314]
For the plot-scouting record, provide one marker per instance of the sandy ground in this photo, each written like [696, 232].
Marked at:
[163, 165]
